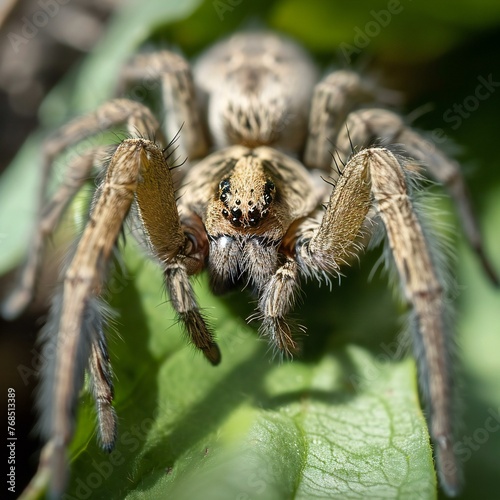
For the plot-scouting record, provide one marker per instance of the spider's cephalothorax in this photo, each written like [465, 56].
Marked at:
[258, 132]
[247, 214]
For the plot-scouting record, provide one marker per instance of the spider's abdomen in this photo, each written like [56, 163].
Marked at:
[258, 88]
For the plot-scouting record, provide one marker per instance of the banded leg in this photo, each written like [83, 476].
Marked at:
[180, 248]
[137, 171]
[77, 173]
[374, 177]
[334, 98]
[101, 382]
[180, 102]
[184, 303]
[80, 317]
[366, 126]
[139, 122]
[275, 302]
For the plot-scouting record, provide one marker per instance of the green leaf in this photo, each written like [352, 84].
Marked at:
[344, 425]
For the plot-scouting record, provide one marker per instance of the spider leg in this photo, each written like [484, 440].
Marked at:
[184, 303]
[79, 317]
[137, 172]
[138, 121]
[375, 178]
[78, 171]
[138, 175]
[101, 382]
[181, 107]
[275, 302]
[334, 97]
[365, 126]
[181, 246]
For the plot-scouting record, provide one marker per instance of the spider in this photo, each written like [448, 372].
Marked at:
[252, 205]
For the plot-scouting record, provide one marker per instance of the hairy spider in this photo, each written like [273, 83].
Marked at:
[258, 132]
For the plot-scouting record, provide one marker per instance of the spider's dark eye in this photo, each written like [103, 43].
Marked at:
[270, 186]
[269, 189]
[253, 216]
[225, 185]
[236, 212]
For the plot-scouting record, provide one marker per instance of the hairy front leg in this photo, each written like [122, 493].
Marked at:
[184, 303]
[276, 300]
[138, 172]
[101, 385]
[139, 122]
[374, 177]
[77, 172]
[366, 127]
[181, 246]
[77, 316]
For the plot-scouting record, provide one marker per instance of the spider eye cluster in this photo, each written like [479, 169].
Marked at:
[269, 190]
[248, 207]
[224, 187]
